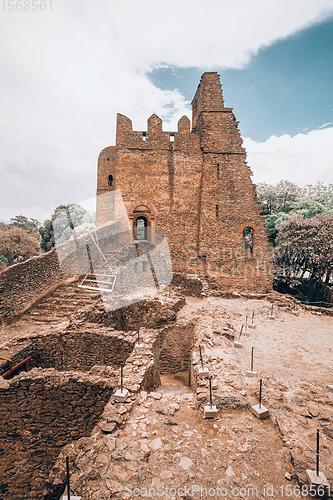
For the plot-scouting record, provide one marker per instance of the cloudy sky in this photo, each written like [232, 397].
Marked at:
[68, 69]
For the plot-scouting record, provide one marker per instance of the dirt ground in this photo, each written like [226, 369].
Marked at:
[236, 455]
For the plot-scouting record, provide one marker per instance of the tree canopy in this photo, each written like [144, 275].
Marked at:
[305, 245]
[299, 222]
[17, 245]
[63, 220]
[32, 225]
[286, 198]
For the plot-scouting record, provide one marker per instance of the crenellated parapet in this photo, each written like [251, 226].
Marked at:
[154, 137]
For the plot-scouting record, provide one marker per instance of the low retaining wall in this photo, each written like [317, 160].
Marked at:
[22, 284]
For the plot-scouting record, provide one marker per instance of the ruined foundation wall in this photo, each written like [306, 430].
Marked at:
[146, 313]
[41, 411]
[21, 284]
[176, 347]
[80, 350]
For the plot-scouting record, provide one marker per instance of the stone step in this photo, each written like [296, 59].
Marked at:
[49, 319]
[75, 301]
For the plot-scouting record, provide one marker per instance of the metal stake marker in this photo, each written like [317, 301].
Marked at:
[210, 411]
[271, 316]
[317, 464]
[240, 333]
[169, 291]
[201, 356]
[138, 335]
[203, 372]
[68, 488]
[252, 325]
[318, 481]
[245, 324]
[259, 410]
[122, 394]
[251, 373]
[237, 343]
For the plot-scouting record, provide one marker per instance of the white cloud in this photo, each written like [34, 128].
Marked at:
[66, 73]
[303, 159]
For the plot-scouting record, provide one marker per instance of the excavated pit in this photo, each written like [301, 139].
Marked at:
[71, 377]
[74, 350]
[175, 351]
[42, 411]
[67, 391]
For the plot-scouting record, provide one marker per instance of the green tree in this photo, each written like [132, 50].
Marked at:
[286, 198]
[47, 238]
[17, 245]
[305, 248]
[63, 220]
[278, 198]
[32, 225]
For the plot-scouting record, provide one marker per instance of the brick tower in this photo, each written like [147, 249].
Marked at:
[196, 186]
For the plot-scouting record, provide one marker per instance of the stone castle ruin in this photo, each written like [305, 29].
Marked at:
[195, 185]
[65, 351]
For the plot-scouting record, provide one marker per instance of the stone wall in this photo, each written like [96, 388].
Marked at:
[147, 313]
[187, 285]
[44, 409]
[22, 284]
[81, 350]
[41, 411]
[176, 347]
[75, 349]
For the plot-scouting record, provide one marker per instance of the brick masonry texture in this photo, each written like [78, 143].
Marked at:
[195, 185]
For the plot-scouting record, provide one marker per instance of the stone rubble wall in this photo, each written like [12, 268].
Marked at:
[146, 313]
[81, 350]
[176, 347]
[74, 349]
[22, 284]
[44, 409]
[141, 372]
[191, 286]
[41, 411]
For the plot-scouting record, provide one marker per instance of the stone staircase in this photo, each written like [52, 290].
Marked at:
[63, 304]
[69, 299]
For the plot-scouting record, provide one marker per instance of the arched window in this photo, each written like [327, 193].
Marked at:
[141, 228]
[110, 180]
[248, 240]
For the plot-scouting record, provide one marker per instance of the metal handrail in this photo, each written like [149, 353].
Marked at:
[14, 368]
[10, 362]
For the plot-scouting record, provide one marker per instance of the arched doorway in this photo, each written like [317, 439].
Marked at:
[141, 228]
[142, 216]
